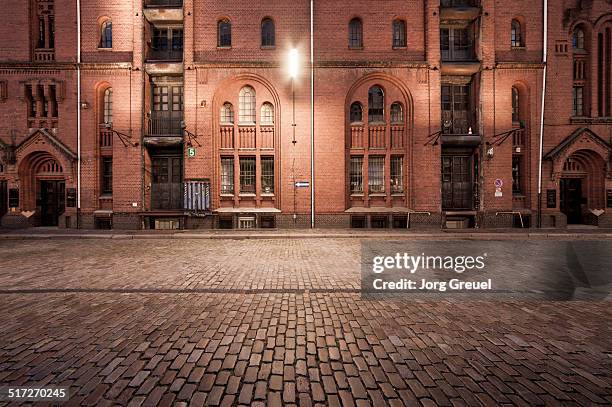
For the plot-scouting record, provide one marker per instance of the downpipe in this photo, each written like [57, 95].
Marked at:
[542, 106]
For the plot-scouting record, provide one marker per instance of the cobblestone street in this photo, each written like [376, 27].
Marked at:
[278, 322]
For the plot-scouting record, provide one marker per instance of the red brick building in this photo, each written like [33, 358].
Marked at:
[170, 113]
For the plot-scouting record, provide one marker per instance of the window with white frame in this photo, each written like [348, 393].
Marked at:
[247, 106]
[227, 113]
[267, 114]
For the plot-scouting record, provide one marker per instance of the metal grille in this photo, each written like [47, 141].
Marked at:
[267, 175]
[247, 175]
[376, 174]
[247, 105]
[227, 175]
[355, 33]
[197, 196]
[397, 174]
[399, 33]
[356, 175]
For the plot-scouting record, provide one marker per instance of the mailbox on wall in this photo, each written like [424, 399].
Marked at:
[13, 198]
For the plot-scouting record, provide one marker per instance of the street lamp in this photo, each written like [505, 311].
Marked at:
[293, 72]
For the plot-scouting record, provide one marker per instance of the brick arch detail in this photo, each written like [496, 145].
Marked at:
[219, 99]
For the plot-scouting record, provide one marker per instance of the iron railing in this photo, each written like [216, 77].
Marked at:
[164, 3]
[165, 55]
[165, 124]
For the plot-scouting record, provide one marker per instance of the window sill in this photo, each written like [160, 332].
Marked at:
[378, 194]
[227, 195]
[268, 47]
[268, 194]
[377, 123]
[105, 197]
[357, 124]
[398, 194]
[247, 195]
[223, 48]
[246, 124]
[400, 48]
[357, 195]
[105, 49]
[521, 48]
[226, 124]
[355, 48]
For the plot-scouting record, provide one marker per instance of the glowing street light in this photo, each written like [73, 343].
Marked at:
[293, 63]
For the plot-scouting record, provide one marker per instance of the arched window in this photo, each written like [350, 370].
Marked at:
[578, 38]
[397, 113]
[108, 106]
[376, 105]
[267, 33]
[106, 34]
[224, 33]
[355, 33]
[267, 113]
[227, 113]
[247, 105]
[517, 34]
[399, 33]
[516, 114]
[356, 114]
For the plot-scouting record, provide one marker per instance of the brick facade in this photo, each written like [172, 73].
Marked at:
[171, 77]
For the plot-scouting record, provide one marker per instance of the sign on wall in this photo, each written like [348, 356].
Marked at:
[14, 198]
[551, 198]
[191, 152]
[71, 197]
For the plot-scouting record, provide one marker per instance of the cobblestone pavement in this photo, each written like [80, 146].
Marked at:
[272, 322]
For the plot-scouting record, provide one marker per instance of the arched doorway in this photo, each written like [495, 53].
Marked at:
[44, 187]
[582, 186]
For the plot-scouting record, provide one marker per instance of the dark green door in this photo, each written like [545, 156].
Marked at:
[167, 183]
[571, 198]
[52, 201]
[3, 198]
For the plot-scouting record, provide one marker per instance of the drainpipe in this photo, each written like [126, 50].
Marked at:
[312, 162]
[78, 17]
[544, 62]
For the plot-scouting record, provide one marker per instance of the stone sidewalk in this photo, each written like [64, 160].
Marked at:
[278, 322]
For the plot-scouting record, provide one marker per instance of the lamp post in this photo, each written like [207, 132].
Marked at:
[293, 72]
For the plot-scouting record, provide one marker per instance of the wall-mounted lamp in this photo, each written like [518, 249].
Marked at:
[84, 105]
[490, 153]
[203, 103]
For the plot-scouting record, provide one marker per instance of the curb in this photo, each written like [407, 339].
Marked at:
[332, 235]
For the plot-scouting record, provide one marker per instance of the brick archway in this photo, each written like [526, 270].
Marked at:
[35, 167]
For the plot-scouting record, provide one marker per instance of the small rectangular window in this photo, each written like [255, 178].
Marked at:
[356, 175]
[247, 175]
[577, 96]
[267, 175]
[107, 175]
[376, 174]
[397, 174]
[227, 175]
[516, 175]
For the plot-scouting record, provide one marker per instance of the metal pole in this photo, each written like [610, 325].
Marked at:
[78, 17]
[312, 162]
[544, 62]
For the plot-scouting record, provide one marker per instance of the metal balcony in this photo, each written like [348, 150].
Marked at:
[164, 55]
[165, 124]
[459, 3]
[163, 3]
